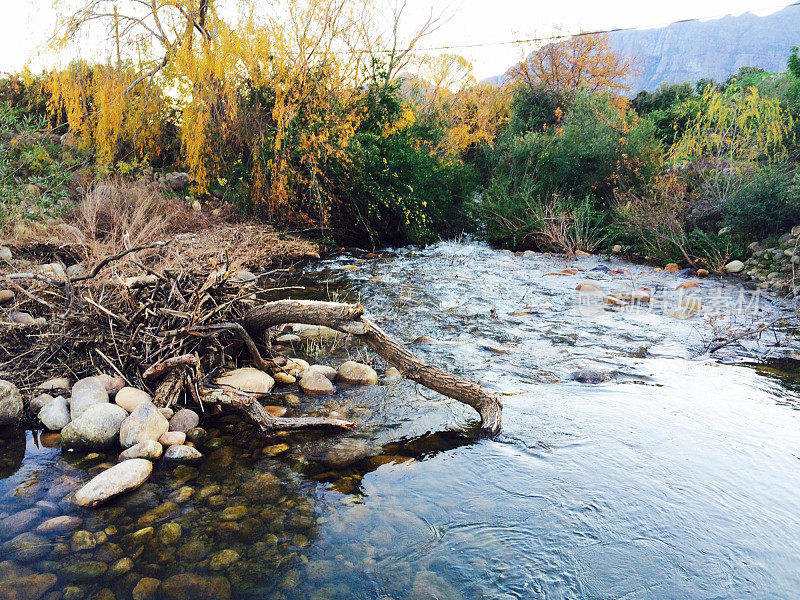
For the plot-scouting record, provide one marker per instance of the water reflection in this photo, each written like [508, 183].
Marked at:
[674, 477]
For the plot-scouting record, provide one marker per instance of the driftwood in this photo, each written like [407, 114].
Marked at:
[349, 318]
[249, 404]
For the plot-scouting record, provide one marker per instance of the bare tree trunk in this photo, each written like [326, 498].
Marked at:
[349, 318]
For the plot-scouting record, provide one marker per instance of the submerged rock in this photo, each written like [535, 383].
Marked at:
[121, 478]
[144, 423]
[55, 415]
[96, 428]
[428, 585]
[27, 546]
[11, 406]
[146, 589]
[191, 586]
[587, 376]
[85, 393]
[29, 587]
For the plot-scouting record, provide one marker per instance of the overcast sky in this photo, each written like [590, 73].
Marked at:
[26, 24]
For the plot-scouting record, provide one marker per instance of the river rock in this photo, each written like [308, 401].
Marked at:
[672, 267]
[60, 524]
[144, 423]
[29, 587]
[735, 266]
[112, 384]
[39, 402]
[223, 560]
[11, 405]
[191, 586]
[284, 378]
[587, 376]
[5, 253]
[129, 398]
[182, 453]
[20, 318]
[146, 589]
[6, 296]
[27, 546]
[288, 338]
[167, 412]
[57, 384]
[264, 486]
[197, 435]
[55, 415]
[184, 420]
[428, 585]
[20, 521]
[247, 379]
[391, 374]
[120, 478]
[347, 451]
[85, 393]
[314, 332]
[314, 382]
[172, 438]
[97, 427]
[356, 373]
[178, 181]
[324, 370]
[147, 449]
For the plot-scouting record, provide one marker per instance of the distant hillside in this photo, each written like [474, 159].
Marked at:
[692, 50]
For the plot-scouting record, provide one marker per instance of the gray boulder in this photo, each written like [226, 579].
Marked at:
[55, 414]
[85, 393]
[144, 423]
[97, 427]
[11, 406]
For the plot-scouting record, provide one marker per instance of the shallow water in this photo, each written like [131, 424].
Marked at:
[676, 477]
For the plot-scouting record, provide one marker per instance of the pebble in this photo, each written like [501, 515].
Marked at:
[147, 449]
[223, 560]
[247, 379]
[82, 540]
[167, 412]
[39, 402]
[85, 393]
[356, 373]
[314, 382]
[55, 415]
[146, 589]
[122, 566]
[5, 253]
[11, 405]
[275, 411]
[57, 384]
[284, 378]
[113, 385]
[197, 435]
[119, 479]
[129, 398]
[275, 449]
[60, 524]
[172, 438]
[144, 423]
[735, 266]
[288, 338]
[184, 420]
[6, 296]
[169, 533]
[182, 453]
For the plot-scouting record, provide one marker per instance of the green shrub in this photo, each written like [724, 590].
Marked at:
[766, 203]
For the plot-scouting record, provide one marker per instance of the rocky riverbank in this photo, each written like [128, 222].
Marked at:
[773, 264]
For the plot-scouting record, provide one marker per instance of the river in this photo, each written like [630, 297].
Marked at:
[676, 476]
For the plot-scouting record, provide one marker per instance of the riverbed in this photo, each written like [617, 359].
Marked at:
[632, 463]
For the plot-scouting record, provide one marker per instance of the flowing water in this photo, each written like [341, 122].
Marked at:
[676, 476]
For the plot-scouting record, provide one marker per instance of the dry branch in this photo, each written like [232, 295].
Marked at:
[350, 319]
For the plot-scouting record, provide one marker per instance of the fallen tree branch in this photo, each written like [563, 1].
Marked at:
[350, 318]
[741, 335]
[250, 405]
[168, 364]
[258, 361]
[109, 259]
